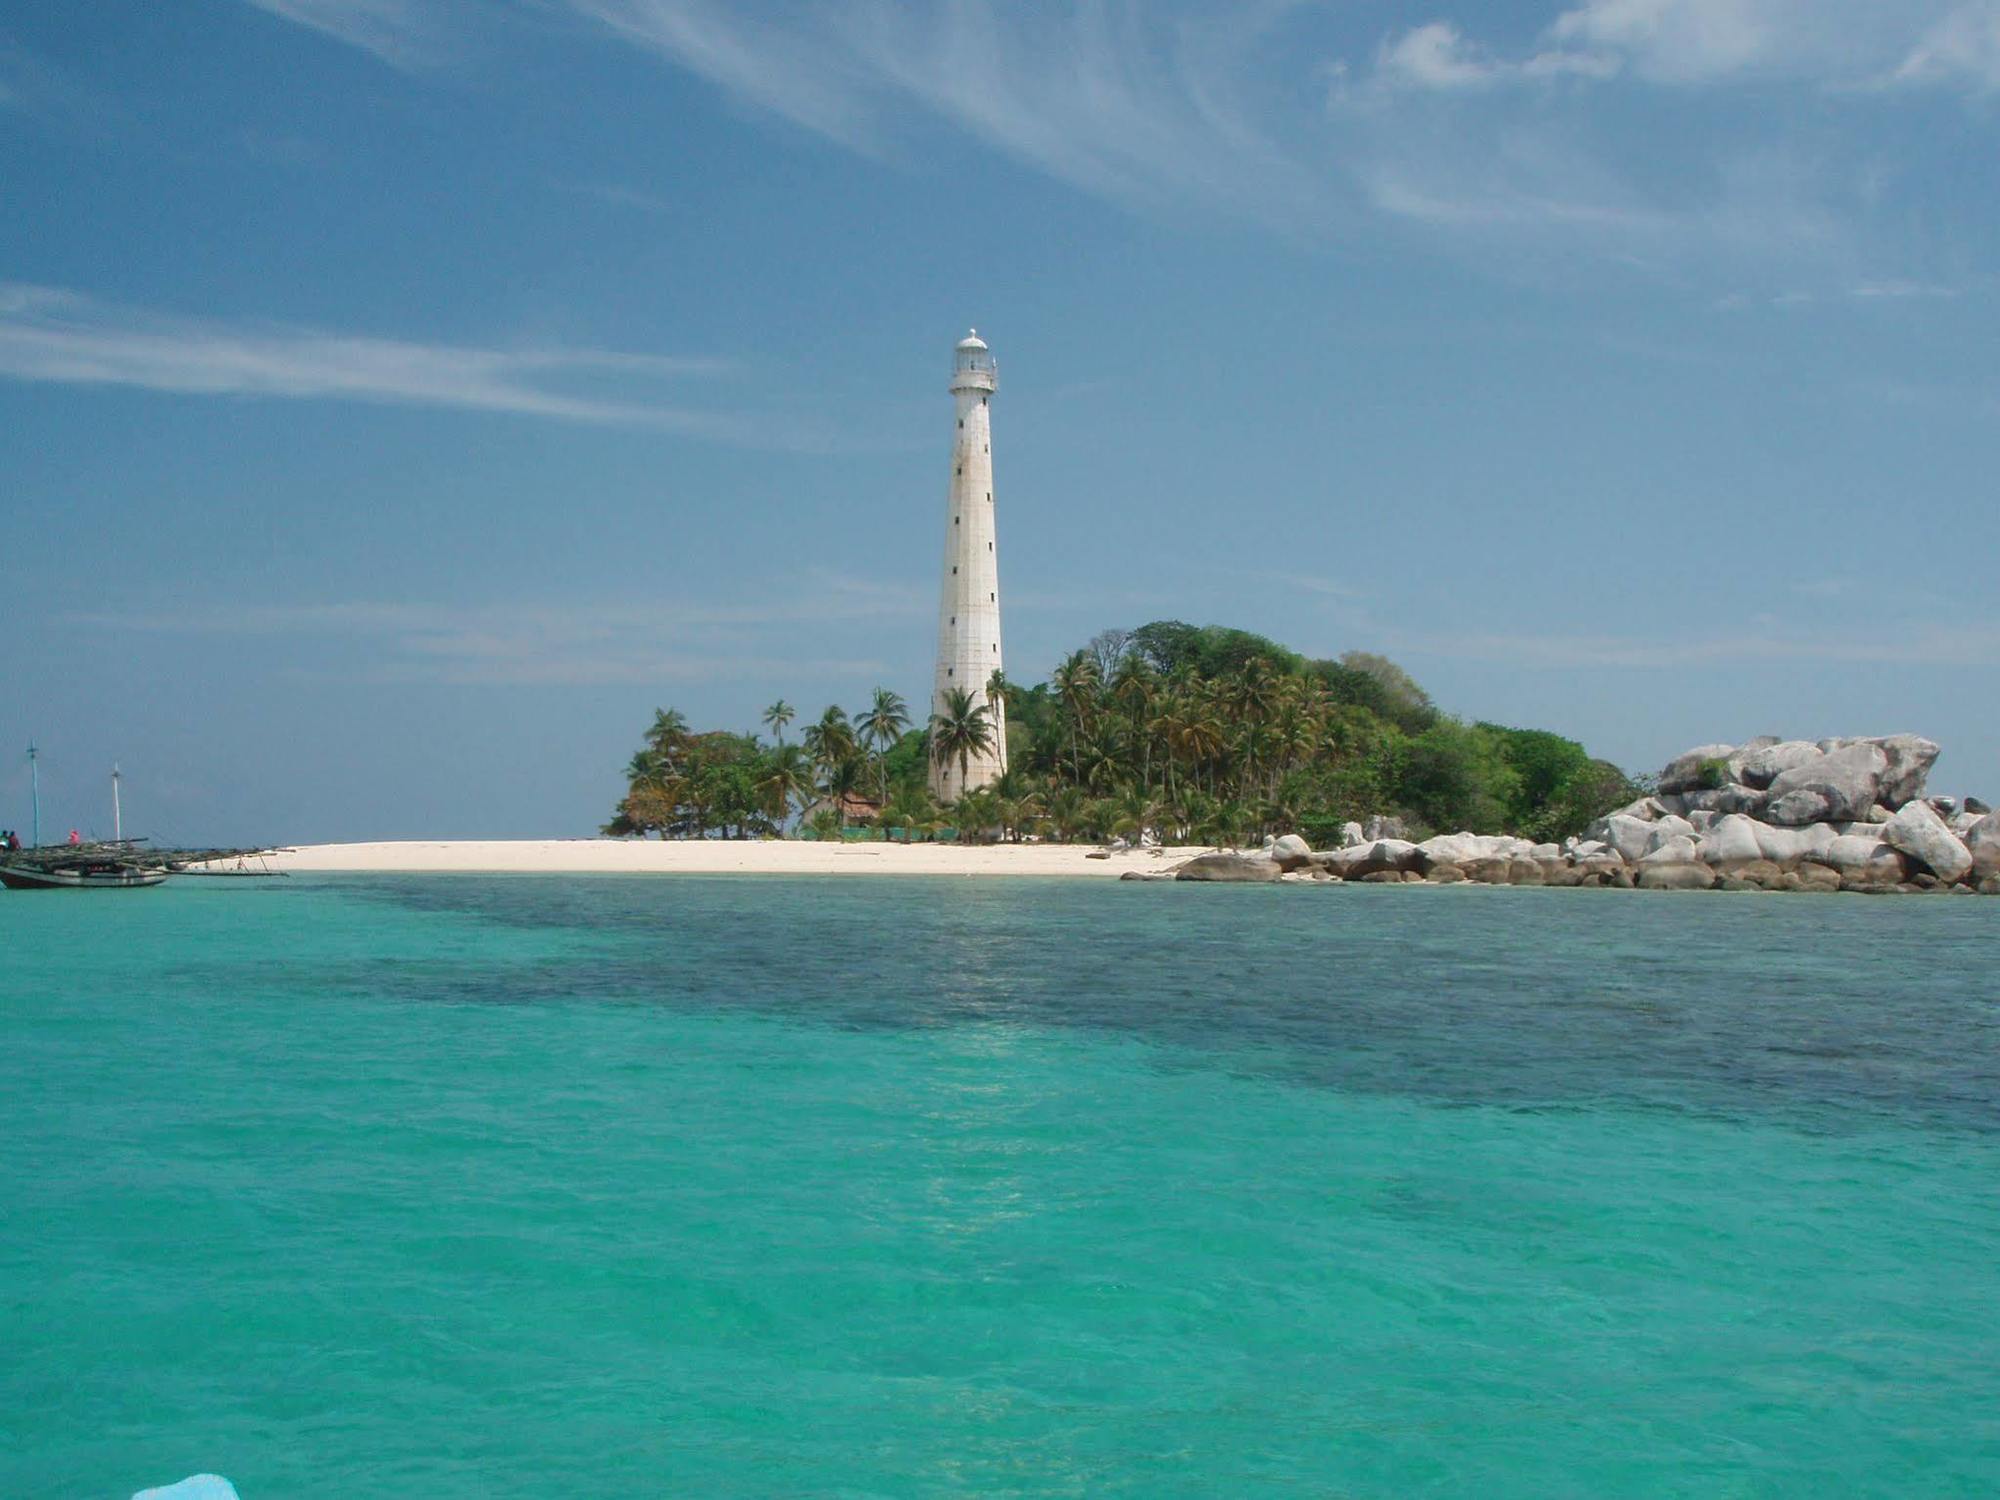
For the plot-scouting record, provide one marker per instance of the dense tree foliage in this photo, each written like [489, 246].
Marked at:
[1196, 733]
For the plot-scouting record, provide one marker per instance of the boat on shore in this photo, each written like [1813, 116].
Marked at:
[121, 864]
[83, 868]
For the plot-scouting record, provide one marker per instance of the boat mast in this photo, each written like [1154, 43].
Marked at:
[117, 814]
[35, 780]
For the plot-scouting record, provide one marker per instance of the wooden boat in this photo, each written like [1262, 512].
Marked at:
[77, 874]
[121, 865]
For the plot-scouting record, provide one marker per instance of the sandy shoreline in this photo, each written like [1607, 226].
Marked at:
[714, 857]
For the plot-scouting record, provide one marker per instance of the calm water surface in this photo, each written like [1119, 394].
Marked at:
[450, 1187]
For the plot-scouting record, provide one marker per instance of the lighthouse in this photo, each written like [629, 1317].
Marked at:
[968, 651]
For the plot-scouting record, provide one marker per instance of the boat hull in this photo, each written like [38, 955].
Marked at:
[116, 878]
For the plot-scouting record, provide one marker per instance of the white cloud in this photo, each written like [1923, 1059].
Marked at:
[1942, 644]
[1840, 43]
[402, 33]
[523, 641]
[1202, 106]
[1964, 46]
[1434, 56]
[50, 335]
[1673, 40]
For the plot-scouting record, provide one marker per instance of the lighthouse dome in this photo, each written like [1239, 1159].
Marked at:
[972, 340]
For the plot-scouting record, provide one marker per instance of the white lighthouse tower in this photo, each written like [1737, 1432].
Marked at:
[968, 651]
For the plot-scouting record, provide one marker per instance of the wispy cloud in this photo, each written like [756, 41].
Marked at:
[1219, 108]
[574, 643]
[1942, 644]
[403, 33]
[52, 335]
[1963, 47]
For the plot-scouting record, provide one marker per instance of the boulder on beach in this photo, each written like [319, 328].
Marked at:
[1689, 875]
[1671, 827]
[1674, 849]
[1291, 852]
[1910, 759]
[1691, 769]
[1838, 786]
[1464, 848]
[1351, 835]
[1729, 798]
[1624, 835]
[1239, 869]
[1730, 840]
[1392, 856]
[1760, 767]
[1919, 832]
[1982, 843]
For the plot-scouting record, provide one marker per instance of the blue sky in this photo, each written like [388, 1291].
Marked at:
[400, 398]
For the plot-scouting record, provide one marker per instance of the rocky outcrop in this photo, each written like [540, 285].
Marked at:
[1768, 815]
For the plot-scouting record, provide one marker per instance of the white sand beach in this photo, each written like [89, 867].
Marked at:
[717, 857]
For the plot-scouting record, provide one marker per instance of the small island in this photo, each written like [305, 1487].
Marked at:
[1256, 763]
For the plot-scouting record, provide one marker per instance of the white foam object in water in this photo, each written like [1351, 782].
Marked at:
[194, 1487]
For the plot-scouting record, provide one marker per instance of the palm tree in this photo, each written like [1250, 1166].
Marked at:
[777, 716]
[887, 717]
[911, 810]
[976, 812]
[668, 733]
[1076, 682]
[787, 778]
[843, 779]
[1136, 811]
[1133, 687]
[831, 740]
[1068, 808]
[960, 732]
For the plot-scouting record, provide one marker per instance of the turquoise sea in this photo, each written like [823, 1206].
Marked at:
[457, 1187]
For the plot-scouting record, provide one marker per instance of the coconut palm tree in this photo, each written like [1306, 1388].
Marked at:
[976, 813]
[787, 779]
[831, 740]
[1076, 683]
[882, 725]
[667, 735]
[843, 779]
[1134, 812]
[777, 716]
[911, 810]
[959, 732]
[1068, 810]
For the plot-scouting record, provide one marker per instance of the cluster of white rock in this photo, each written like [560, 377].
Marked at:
[1776, 815]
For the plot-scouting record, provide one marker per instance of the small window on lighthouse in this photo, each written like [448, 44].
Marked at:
[959, 470]
[954, 619]
[961, 424]
[989, 546]
[956, 519]
[954, 571]
[948, 672]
